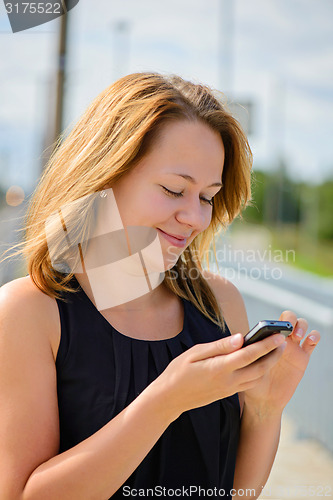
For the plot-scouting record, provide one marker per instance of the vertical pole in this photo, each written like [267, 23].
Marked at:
[56, 95]
[62, 49]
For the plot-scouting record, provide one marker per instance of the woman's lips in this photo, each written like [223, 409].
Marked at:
[177, 242]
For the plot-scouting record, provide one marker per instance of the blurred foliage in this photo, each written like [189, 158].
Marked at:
[297, 215]
[279, 201]
[325, 198]
[313, 255]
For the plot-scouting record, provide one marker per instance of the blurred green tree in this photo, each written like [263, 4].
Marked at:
[325, 209]
[276, 200]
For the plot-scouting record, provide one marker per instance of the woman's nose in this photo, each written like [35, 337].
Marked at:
[194, 214]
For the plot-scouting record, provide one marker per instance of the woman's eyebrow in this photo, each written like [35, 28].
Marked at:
[193, 181]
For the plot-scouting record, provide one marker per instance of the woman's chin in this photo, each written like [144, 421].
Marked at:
[169, 264]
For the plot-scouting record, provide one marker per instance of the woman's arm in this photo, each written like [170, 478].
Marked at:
[260, 433]
[30, 468]
[29, 428]
[262, 405]
[258, 444]
[99, 465]
[265, 402]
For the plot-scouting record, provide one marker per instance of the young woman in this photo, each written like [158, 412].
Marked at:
[104, 394]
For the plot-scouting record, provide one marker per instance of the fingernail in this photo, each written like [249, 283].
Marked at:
[235, 339]
[313, 338]
[299, 332]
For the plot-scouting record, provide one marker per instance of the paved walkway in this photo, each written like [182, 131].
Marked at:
[303, 469]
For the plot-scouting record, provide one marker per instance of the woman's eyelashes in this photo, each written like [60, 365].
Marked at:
[178, 195]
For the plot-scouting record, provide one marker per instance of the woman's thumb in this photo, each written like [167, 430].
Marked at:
[219, 347]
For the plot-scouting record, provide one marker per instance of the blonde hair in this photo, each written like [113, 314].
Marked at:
[114, 133]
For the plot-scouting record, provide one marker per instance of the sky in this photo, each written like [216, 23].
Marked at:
[276, 55]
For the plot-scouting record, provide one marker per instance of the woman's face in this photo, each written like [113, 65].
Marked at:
[171, 188]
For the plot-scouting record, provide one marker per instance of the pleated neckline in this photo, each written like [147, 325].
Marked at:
[125, 336]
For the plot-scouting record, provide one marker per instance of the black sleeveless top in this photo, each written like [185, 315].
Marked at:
[100, 371]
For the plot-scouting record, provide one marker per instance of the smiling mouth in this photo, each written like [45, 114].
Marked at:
[174, 240]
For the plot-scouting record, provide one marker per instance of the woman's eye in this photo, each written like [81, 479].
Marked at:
[172, 193]
[178, 195]
[205, 200]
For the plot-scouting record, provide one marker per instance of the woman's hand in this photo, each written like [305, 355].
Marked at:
[212, 371]
[276, 388]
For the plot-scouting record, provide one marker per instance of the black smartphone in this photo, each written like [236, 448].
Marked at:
[265, 328]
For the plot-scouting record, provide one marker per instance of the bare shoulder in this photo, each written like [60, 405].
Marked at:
[22, 303]
[29, 418]
[230, 300]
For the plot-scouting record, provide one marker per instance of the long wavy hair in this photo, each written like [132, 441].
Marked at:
[112, 136]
